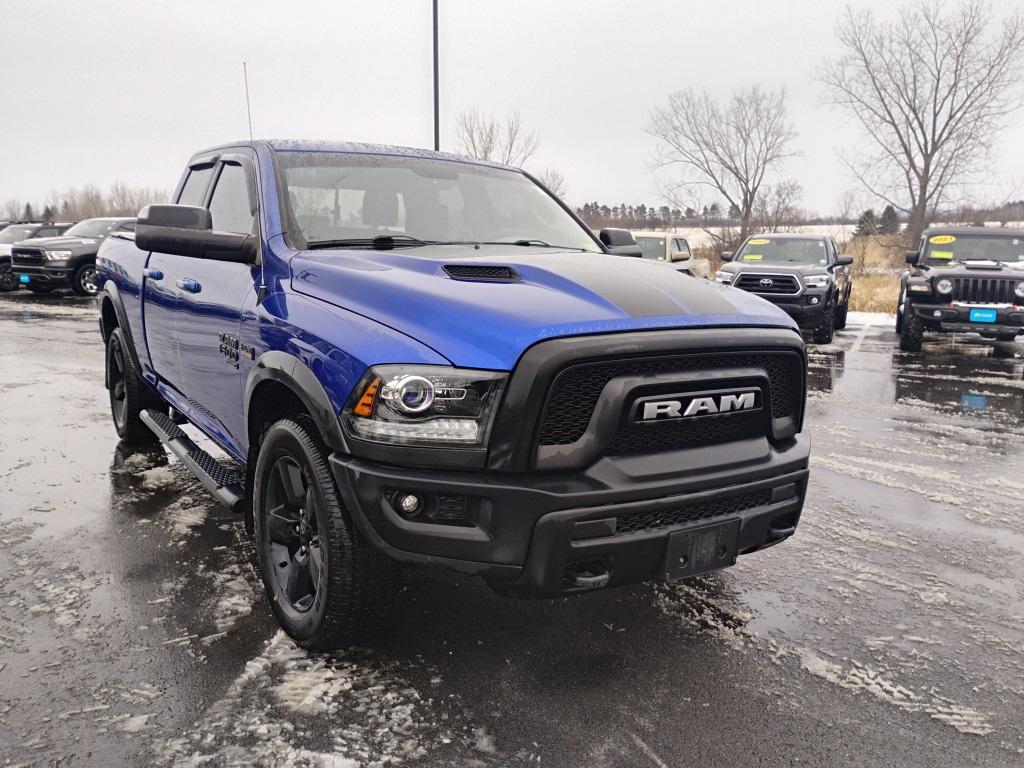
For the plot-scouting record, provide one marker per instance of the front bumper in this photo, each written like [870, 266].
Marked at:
[806, 308]
[55, 275]
[530, 533]
[956, 318]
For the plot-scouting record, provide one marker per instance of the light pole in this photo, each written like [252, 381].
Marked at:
[437, 108]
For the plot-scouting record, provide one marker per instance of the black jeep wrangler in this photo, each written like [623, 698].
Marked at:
[963, 280]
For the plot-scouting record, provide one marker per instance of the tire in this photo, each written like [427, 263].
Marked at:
[841, 311]
[84, 280]
[899, 313]
[129, 394]
[8, 280]
[327, 585]
[911, 333]
[823, 333]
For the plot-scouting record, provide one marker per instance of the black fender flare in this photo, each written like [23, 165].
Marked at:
[299, 378]
[111, 293]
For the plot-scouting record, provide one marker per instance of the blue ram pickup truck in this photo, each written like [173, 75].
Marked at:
[408, 356]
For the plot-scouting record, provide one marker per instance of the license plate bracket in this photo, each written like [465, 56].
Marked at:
[702, 549]
[983, 315]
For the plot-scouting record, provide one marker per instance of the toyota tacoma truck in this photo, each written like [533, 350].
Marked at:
[68, 261]
[805, 275]
[402, 355]
[963, 280]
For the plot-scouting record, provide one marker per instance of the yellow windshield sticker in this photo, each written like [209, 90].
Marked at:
[944, 255]
[759, 241]
[942, 239]
[753, 257]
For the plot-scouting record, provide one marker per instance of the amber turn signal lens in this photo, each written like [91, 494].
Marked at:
[365, 405]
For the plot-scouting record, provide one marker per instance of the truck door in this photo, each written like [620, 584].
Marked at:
[211, 295]
[161, 295]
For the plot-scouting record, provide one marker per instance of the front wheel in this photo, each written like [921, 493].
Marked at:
[8, 280]
[823, 333]
[84, 281]
[841, 311]
[325, 582]
[911, 331]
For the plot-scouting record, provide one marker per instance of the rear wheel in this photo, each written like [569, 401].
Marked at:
[911, 331]
[327, 585]
[128, 393]
[84, 281]
[8, 280]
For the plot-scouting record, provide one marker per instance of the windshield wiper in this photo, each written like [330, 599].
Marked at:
[534, 242]
[380, 243]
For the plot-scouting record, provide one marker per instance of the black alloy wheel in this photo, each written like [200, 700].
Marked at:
[295, 554]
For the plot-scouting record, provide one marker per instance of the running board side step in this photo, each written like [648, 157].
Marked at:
[224, 484]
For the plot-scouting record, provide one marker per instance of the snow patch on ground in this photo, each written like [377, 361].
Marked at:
[236, 598]
[291, 707]
[158, 478]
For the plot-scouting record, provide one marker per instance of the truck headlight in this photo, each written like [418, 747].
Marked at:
[424, 405]
[1019, 290]
[724, 277]
[57, 255]
[817, 281]
[945, 285]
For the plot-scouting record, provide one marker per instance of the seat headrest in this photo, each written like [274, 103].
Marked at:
[380, 208]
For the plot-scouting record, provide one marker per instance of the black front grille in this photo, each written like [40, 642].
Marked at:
[478, 272]
[984, 290]
[692, 513]
[763, 283]
[28, 258]
[576, 391]
[687, 433]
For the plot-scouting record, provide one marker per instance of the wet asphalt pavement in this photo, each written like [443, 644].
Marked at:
[888, 631]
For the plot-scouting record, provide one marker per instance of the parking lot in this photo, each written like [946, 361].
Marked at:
[888, 631]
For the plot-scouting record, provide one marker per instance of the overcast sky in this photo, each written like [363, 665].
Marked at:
[102, 91]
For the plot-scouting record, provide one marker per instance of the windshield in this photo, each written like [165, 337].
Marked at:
[652, 247]
[14, 233]
[91, 228]
[783, 250]
[942, 249]
[342, 197]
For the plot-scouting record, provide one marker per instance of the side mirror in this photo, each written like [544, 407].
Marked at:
[185, 230]
[913, 257]
[620, 242]
[726, 256]
[842, 260]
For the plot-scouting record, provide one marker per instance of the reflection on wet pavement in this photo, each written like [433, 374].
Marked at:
[133, 630]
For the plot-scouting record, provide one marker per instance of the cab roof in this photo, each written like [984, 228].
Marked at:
[966, 231]
[353, 148]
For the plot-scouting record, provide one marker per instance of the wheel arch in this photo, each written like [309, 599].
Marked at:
[112, 315]
[279, 383]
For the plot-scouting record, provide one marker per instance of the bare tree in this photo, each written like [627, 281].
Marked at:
[730, 147]
[847, 204]
[12, 209]
[931, 91]
[776, 209]
[553, 179]
[486, 138]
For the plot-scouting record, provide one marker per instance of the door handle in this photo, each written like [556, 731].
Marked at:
[153, 274]
[190, 285]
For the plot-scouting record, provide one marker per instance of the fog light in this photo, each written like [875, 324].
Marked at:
[937, 313]
[409, 503]
[814, 299]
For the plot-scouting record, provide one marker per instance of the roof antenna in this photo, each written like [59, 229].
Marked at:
[248, 110]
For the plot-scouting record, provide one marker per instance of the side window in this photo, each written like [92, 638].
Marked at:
[194, 191]
[684, 249]
[230, 207]
[46, 232]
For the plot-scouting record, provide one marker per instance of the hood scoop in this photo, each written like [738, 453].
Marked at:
[482, 273]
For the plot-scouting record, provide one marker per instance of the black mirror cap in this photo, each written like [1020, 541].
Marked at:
[725, 256]
[913, 257]
[842, 260]
[625, 250]
[177, 216]
[614, 238]
[184, 230]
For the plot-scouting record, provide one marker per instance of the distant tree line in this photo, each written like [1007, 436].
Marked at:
[86, 202]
